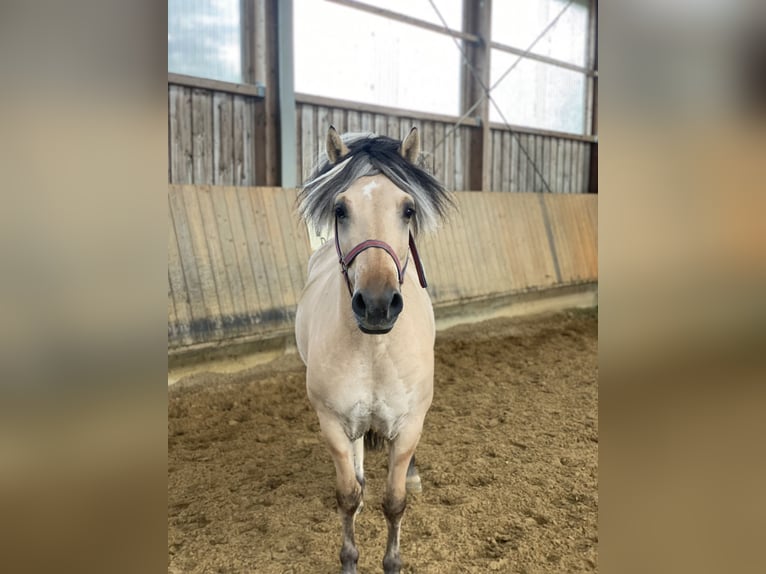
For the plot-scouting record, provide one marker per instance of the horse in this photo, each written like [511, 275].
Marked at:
[364, 325]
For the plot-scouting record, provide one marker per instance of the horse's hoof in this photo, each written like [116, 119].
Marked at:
[413, 484]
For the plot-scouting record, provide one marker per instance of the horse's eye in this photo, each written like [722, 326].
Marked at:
[340, 212]
[409, 211]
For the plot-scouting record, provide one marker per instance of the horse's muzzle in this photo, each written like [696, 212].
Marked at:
[376, 313]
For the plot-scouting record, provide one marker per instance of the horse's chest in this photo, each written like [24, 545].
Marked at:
[379, 411]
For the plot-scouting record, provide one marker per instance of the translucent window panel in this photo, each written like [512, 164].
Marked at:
[204, 39]
[517, 23]
[538, 95]
[344, 53]
[451, 10]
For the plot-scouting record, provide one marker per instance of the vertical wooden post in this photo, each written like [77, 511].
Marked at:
[593, 64]
[287, 111]
[260, 22]
[477, 19]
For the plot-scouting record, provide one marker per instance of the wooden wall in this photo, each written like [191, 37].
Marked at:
[563, 162]
[447, 162]
[211, 137]
[237, 256]
[499, 244]
[236, 262]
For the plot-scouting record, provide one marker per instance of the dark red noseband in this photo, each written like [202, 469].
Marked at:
[346, 260]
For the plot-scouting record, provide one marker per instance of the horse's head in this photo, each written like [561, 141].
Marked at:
[375, 196]
[374, 217]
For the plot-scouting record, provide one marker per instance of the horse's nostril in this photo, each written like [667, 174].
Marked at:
[358, 305]
[397, 304]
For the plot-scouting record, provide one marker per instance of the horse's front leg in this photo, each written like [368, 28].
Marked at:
[348, 490]
[395, 499]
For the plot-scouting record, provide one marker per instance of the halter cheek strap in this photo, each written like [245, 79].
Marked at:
[346, 260]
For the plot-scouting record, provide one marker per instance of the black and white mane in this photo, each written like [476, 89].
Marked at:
[369, 154]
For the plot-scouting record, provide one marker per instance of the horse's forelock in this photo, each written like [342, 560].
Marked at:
[371, 155]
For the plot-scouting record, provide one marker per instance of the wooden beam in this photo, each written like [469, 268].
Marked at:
[376, 109]
[541, 58]
[257, 91]
[391, 15]
[593, 96]
[477, 20]
[266, 142]
[541, 132]
[287, 121]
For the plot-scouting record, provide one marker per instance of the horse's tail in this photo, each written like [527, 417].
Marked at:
[373, 440]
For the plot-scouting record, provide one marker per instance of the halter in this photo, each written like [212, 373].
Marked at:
[345, 261]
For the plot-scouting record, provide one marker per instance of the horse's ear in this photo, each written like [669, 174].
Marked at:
[410, 149]
[336, 149]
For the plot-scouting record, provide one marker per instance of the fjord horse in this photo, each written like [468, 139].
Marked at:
[364, 324]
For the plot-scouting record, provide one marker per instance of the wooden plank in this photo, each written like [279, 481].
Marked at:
[264, 264]
[566, 167]
[180, 135]
[448, 155]
[562, 167]
[202, 137]
[279, 271]
[263, 289]
[241, 306]
[250, 143]
[174, 332]
[187, 260]
[507, 158]
[301, 177]
[438, 152]
[215, 258]
[531, 163]
[493, 167]
[380, 124]
[223, 132]
[195, 82]
[177, 281]
[242, 250]
[548, 163]
[578, 167]
[553, 156]
[309, 151]
[526, 163]
[202, 258]
[322, 123]
[585, 169]
[485, 226]
[514, 163]
[540, 132]
[460, 159]
[393, 129]
[239, 149]
[295, 237]
[348, 105]
[427, 145]
[540, 159]
[540, 58]
[367, 122]
[354, 120]
[399, 17]
[339, 120]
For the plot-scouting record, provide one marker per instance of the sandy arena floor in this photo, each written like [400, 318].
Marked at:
[508, 460]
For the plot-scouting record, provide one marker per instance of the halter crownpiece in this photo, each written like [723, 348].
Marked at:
[346, 260]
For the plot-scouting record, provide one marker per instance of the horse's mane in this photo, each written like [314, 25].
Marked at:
[372, 155]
